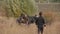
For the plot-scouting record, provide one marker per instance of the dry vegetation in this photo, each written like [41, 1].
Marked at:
[10, 26]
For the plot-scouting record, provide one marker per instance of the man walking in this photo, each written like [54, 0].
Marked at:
[40, 22]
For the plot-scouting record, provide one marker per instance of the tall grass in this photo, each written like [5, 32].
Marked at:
[49, 17]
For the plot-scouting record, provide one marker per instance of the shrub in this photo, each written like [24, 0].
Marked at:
[16, 7]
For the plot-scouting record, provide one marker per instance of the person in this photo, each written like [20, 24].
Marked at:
[40, 23]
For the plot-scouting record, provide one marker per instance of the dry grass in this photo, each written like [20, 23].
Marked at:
[9, 26]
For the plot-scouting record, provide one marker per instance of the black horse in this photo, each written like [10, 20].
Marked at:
[31, 19]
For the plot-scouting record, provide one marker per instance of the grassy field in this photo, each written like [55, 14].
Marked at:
[51, 12]
[10, 26]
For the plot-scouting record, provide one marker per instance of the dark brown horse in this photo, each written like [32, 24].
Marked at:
[26, 19]
[22, 19]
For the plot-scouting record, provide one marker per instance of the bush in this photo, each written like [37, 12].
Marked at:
[16, 7]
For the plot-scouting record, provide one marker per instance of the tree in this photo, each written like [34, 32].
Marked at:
[16, 7]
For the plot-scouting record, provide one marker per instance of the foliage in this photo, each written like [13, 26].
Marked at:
[16, 7]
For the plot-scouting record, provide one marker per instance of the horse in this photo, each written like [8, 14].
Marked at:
[27, 19]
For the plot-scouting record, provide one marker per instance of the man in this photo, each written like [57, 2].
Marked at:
[40, 23]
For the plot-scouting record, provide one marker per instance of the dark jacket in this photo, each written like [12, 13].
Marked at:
[40, 21]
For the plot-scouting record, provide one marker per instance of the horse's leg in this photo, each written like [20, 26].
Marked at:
[27, 23]
[18, 21]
